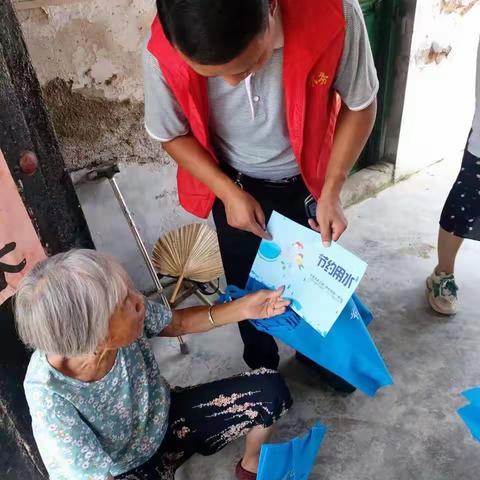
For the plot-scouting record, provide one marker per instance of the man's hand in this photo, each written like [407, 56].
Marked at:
[351, 134]
[245, 213]
[331, 221]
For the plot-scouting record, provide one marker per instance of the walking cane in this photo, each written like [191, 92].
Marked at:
[109, 173]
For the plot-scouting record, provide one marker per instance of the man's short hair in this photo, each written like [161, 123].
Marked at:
[213, 32]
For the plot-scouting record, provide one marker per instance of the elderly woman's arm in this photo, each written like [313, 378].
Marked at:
[262, 304]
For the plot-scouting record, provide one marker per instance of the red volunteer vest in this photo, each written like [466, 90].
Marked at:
[314, 33]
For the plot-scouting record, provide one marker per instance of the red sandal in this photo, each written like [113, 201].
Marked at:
[243, 474]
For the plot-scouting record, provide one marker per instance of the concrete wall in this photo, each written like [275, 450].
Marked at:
[440, 94]
[91, 44]
[87, 55]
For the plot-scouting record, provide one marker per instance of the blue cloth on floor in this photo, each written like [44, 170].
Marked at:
[470, 414]
[293, 460]
[473, 395]
[348, 350]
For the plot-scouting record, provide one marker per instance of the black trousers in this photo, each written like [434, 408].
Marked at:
[205, 418]
[239, 248]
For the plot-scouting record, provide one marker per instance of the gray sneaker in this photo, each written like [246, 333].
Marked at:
[442, 293]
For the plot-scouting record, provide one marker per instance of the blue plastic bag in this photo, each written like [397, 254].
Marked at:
[470, 414]
[473, 395]
[348, 350]
[293, 460]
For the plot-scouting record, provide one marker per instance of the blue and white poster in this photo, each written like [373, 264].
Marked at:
[316, 279]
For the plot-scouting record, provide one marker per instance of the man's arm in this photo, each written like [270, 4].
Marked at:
[351, 134]
[191, 156]
[357, 84]
[166, 123]
[243, 211]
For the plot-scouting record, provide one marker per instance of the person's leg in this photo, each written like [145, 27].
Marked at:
[220, 412]
[238, 250]
[441, 286]
[448, 247]
[460, 219]
[253, 444]
[177, 447]
[292, 206]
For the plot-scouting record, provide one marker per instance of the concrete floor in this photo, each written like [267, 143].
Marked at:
[409, 431]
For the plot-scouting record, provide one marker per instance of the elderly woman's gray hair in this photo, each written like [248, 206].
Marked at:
[63, 306]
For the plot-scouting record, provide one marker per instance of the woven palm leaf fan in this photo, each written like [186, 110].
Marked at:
[190, 252]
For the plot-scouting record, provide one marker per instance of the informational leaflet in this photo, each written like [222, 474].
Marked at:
[319, 281]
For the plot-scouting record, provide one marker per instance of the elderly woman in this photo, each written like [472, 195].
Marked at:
[100, 408]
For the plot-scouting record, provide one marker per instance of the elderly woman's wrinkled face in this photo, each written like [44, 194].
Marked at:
[126, 323]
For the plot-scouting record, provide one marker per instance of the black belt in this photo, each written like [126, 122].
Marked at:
[240, 178]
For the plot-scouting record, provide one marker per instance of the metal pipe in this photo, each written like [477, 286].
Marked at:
[143, 251]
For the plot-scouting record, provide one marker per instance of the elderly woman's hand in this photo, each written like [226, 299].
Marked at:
[265, 304]
[260, 305]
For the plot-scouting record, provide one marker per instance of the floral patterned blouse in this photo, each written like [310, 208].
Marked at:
[88, 431]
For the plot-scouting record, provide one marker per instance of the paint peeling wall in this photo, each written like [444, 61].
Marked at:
[440, 94]
[92, 44]
[87, 55]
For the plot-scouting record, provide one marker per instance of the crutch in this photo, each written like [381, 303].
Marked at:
[109, 173]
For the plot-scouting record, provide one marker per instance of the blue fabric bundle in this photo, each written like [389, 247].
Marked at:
[473, 396]
[348, 350]
[293, 460]
[470, 414]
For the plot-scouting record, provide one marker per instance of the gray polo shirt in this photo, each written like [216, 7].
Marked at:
[474, 143]
[248, 122]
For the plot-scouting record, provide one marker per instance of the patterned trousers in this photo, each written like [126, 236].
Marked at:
[461, 213]
[205, 418]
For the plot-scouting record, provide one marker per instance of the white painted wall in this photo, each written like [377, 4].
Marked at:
[439, 101]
